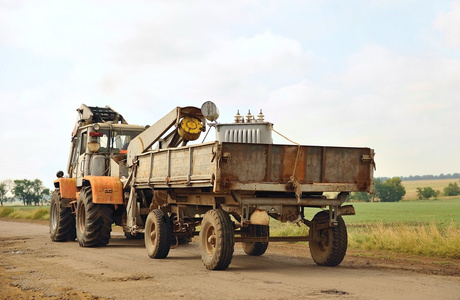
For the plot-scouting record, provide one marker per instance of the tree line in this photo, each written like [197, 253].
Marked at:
[425, 177]
[453, 189]
[30, 192]
[392, 190]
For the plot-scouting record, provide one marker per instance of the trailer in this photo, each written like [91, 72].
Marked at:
[225, 191]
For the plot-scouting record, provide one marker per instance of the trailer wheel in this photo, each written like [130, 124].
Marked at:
[217, 240]
[328, 246]
[94, 221]
[157, 234]
[62, 221]
[256, 248]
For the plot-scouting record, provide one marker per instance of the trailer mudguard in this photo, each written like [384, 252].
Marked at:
[67, 188]
[105, 189]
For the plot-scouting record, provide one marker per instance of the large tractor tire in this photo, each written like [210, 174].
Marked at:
[62, 221]
[256, 248]
[158, 234]
[217, 240]
[328, 246]
[94, 221]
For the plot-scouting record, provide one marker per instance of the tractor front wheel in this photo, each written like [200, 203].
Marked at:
[94, 221]
[62, 221]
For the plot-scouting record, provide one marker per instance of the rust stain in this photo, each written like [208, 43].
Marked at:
[293, 157]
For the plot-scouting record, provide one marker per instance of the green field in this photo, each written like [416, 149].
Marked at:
[25, 212]
[441, 212]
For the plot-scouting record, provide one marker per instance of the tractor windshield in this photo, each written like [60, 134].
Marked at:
[115, 142]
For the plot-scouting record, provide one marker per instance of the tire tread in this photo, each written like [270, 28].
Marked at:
[98, 221]
[338, 248]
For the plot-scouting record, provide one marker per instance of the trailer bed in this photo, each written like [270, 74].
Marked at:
[228, 167]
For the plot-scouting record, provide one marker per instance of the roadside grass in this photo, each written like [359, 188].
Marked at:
[287, 229]
[424, 228]
[25, 212]
[424, 240]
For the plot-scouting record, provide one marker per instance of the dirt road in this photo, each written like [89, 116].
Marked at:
[33, 267]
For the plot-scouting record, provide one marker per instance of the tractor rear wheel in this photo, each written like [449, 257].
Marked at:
[94, 221]
[62, 221]
[329, 245]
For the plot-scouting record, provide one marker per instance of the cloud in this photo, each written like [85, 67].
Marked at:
[237, 70]
[448, 24]
[143, 58]
[384, 100]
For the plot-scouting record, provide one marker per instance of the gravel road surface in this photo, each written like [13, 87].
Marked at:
[34, 267]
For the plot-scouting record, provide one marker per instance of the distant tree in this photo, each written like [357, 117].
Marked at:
[391, 190]
[6, 194]
[437, 194]
[23, 190]
[359, 196]
[452, 189]
[2, 192]
[30, 191]
[45, 196]
[427, 193]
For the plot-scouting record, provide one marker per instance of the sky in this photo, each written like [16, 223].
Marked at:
[383, 74]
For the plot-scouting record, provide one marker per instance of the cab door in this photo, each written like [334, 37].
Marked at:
[81, 158]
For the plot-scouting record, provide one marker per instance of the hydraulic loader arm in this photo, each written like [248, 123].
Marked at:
[155, 132]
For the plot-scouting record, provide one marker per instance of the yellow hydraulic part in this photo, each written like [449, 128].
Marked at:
[190, 128]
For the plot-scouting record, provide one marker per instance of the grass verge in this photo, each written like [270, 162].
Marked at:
[423, 240]
[41, 213]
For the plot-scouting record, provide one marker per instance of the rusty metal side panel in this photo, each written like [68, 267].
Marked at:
[159, 165]
[178, 165]
[345, 165]
[247, 163]
[313, 164]
[293, 162]
[204, 162]
[67, 187]
[275, 164]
